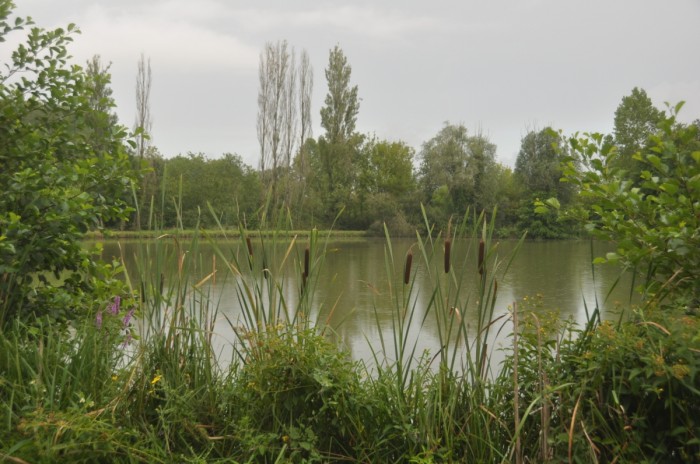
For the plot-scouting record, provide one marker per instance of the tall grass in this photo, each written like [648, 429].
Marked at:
[160, 385]
[442, 400]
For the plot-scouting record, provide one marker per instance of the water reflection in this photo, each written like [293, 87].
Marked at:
[355, 294]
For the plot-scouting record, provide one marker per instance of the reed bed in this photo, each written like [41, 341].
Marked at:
[144, 377]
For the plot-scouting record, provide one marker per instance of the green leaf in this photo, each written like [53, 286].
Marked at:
[554, 203]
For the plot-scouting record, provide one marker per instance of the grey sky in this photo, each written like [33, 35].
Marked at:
[500, 66]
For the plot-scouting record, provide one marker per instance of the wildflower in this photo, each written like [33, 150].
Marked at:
[156, 379]
[128, 317]
[680, 371]
[98, 319]
[114, 308]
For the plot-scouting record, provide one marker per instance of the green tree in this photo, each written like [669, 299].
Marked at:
[655, 225]
[102, 120]
[336, 158]
[339, 115]
[193, 183]
[635, 120]
[538, 165]
[390, 185]
[538, 173]
[58, 180]
[457, 171]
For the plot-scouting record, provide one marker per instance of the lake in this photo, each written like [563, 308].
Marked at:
[353, 291]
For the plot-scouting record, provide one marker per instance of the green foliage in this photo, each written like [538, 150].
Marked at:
[653, 219]
[339, 114]
[59, 178]
[458, 171]
[633, 391]
[298, 388]
[191, 182]
[636, 119]
[538, 165]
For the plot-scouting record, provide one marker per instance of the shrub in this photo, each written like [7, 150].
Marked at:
[298, 392]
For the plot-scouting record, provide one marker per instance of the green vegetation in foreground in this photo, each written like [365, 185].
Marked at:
[98, 392]
[98, 369]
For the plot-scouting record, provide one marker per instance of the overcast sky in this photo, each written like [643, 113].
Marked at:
[499, 66]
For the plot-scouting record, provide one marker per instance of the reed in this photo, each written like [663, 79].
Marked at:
[145, 377]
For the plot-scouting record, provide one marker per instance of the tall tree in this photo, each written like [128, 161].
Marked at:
[142, 128]
[538, 165]
[102, 120]
[306, 87]
[636, 119]
[334, 158]
[278, 114]
[143, 106]
[339, 115]
[455, 171]
[538, 172]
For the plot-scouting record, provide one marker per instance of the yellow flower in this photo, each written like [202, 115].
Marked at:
[680, 370]
[156, 379]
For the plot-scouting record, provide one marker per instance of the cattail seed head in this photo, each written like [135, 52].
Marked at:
[407, 268]
[306, 262]
[480, 263]
[448, 248]
[250, 246]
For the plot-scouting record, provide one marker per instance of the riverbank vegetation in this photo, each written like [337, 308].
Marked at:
[102, 365]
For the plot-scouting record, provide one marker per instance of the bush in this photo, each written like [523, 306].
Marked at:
[59, 177]
[295, 393]
[653, 219]
[633, 391]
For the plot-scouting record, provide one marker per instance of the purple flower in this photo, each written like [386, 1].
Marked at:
[98, 319]
[128, 316]
[114, 308]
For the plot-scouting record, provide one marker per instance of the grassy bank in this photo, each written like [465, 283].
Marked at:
[138, 378]
[218, 233]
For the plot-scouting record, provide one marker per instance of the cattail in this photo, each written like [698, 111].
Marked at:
[480, 263]
[250, 246]
[495, 286]
[448, 247]
[407, 269]
[305, 274]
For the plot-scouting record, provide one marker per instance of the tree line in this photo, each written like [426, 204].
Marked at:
[349, 179]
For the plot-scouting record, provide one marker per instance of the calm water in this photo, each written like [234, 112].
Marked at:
[354, 293]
